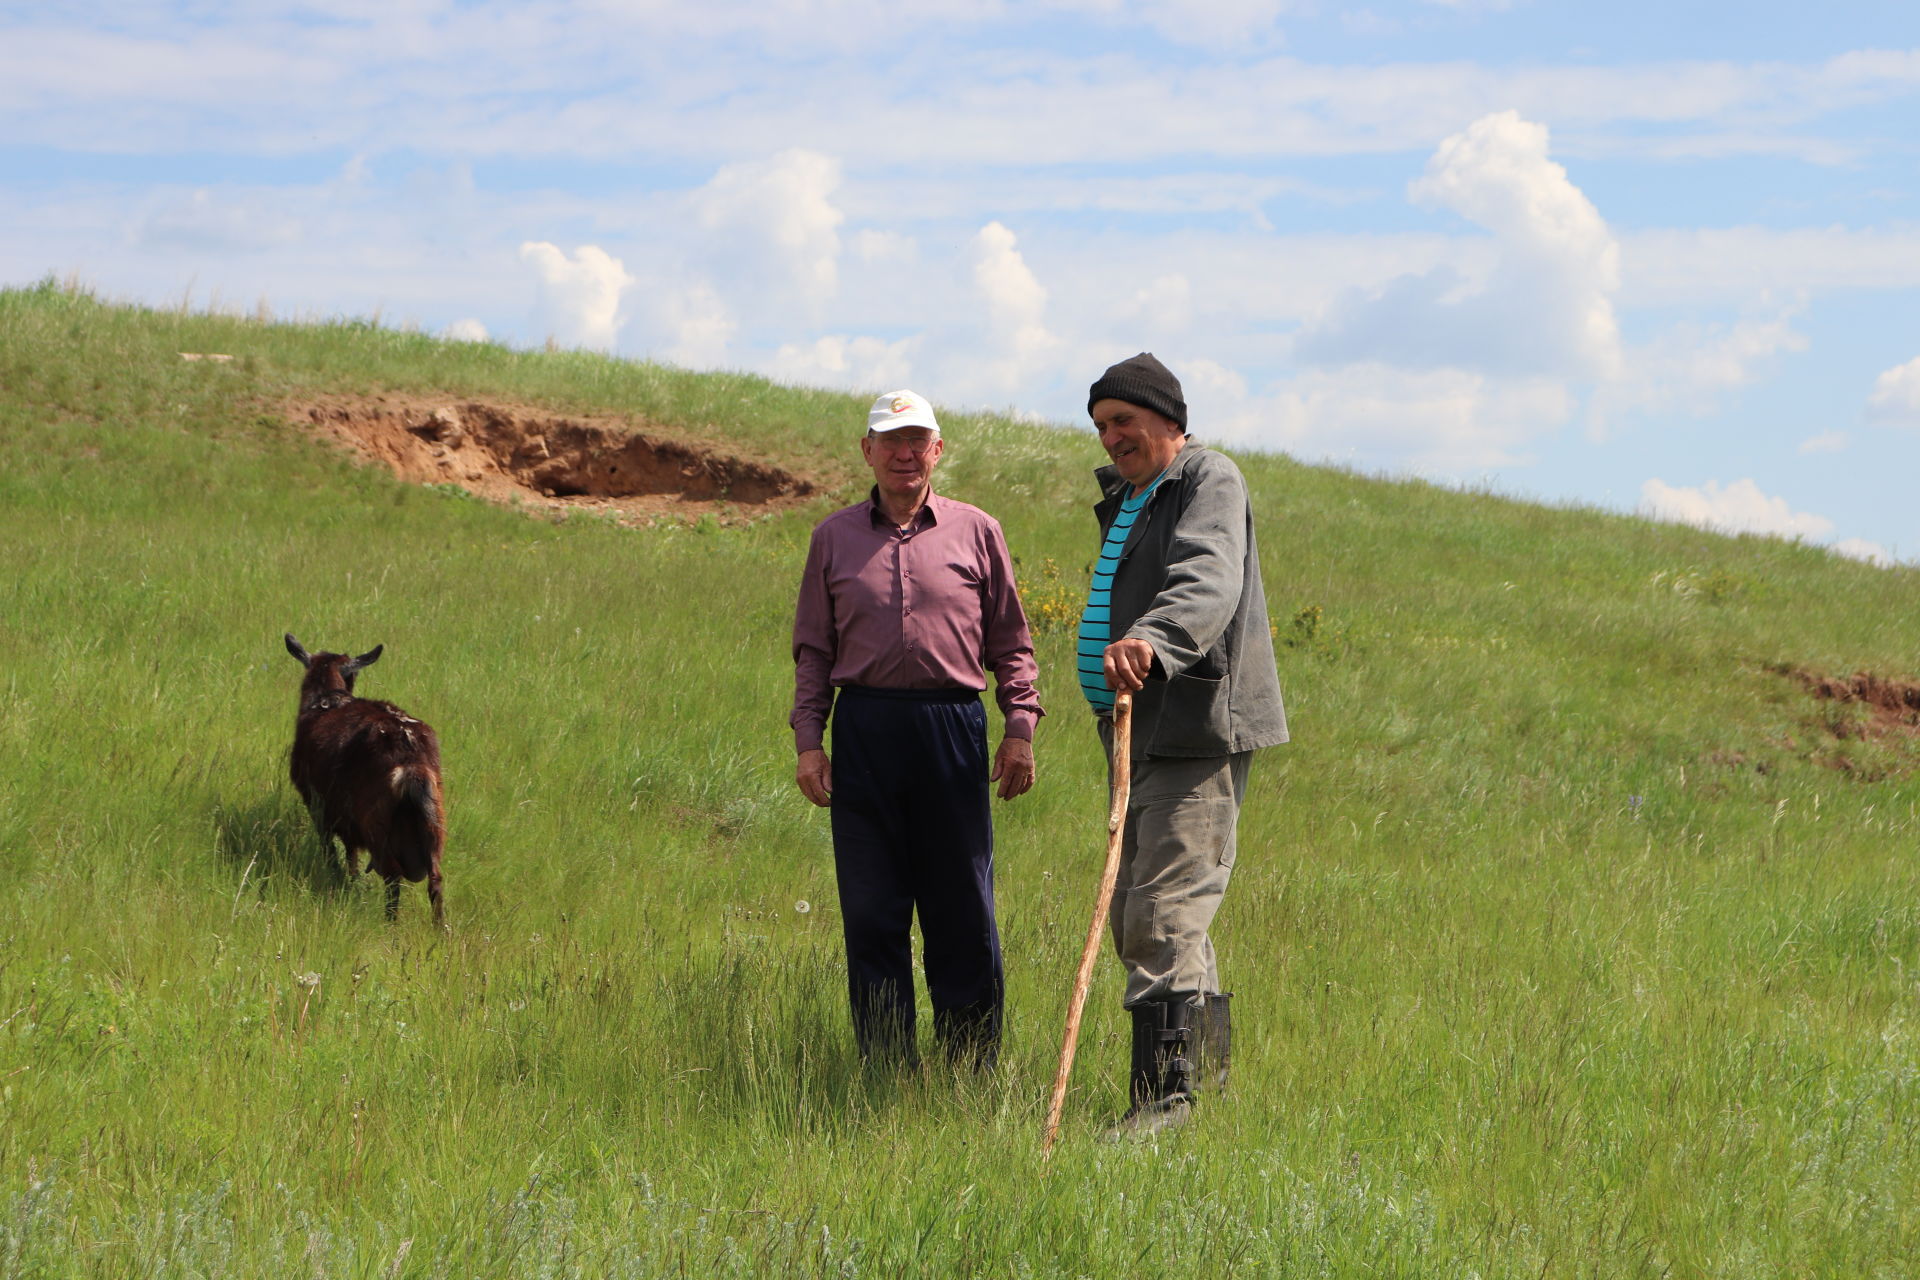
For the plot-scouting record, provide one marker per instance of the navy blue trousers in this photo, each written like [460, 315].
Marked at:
[912, 832]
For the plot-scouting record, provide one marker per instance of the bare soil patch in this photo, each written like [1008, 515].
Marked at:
[1869, 727]
[1891, 707]
[637, 472]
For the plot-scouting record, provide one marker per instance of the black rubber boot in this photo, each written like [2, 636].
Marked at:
[1143, 1081]
[1213, 1043]
[1160, 1085]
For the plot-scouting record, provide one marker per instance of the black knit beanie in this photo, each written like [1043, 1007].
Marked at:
[1146, 382]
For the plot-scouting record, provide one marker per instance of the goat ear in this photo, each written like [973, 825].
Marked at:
[366, 659]
[293, 647]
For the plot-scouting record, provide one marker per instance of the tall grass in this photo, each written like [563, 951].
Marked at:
[1563, 943]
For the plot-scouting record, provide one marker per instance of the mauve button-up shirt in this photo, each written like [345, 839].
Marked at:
[931, 606]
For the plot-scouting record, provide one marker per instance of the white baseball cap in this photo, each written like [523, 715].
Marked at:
[902, 408]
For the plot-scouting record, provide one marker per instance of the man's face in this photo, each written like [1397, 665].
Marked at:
[1140, 441]
[902, 459]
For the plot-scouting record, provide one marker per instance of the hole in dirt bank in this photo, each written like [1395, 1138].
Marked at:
[506, 452]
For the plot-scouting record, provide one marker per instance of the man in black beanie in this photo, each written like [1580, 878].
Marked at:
[1176, 616]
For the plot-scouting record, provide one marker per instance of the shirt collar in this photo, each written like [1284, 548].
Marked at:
[928, 513]
[1116, 487]
[1148, 491]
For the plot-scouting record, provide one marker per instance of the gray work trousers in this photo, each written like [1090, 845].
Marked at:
[1175, 860]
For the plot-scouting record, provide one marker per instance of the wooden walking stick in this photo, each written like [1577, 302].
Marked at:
[1116, 830]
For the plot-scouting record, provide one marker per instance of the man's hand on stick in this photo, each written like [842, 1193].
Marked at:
[1127, 663]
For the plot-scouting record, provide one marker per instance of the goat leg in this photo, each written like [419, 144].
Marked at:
[393, 897]
[433, 895]
[323, 832]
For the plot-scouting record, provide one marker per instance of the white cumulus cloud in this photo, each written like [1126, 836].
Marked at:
[1861, 549]
[777, 216]
[1726, 360]
[1740, 507]
[467, 330]
[1825, 442]
[1691, 368]
[693, 325]
[1215, 394]
[857, 363]
[1018, 341]
[1546, 306]
[884, 248]
[1446, 422]
[578, 297]
[1896, 396]
[1160, 310]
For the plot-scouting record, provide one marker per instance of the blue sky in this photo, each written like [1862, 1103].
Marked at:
[1654, 257]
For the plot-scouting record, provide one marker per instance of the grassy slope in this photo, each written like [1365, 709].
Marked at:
[1560, 947]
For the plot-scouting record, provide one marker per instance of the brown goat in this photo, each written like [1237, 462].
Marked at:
[370, 776]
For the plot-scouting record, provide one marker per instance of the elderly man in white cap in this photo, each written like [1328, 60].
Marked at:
[907, 601]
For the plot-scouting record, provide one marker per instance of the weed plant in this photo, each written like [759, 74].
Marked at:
[1567, 937]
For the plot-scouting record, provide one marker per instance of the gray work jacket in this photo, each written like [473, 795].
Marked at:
[1188, 583]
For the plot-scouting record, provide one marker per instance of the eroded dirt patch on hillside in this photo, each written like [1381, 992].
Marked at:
[1864, 725]
[1880, 707]
[637, 472]
[1868, 725]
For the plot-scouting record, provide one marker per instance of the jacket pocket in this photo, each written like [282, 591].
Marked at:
[1211, 667]
[1197, 716]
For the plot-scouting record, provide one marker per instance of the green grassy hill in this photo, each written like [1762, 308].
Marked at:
[1572, 935]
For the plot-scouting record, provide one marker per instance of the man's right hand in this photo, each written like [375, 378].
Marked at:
[816, 776]
[1127, 663]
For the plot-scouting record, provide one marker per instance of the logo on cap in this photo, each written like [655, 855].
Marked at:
[900, 404]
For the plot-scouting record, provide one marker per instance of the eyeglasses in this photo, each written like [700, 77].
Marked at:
[892, 442]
